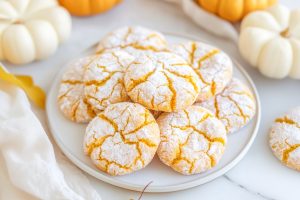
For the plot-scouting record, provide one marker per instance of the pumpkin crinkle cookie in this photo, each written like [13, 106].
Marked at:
[104, 79]
[235, 106]
[192, 140]
[284, 139]
[71, 99]
[122, 139]
[134, 40]
[162, 82]
[213, 66]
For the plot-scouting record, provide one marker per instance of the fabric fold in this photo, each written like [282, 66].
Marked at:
[208, 21]
[28, 164]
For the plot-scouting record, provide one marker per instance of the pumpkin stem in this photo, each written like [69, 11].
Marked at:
[285, 33]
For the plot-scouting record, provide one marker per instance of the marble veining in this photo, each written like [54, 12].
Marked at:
[247, 189]
[259, 175]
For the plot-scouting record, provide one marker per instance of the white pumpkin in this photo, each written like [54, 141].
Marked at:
[270, 40]
[31, 29]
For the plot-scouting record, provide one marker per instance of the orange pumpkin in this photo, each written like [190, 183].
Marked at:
[234, 10]
[88, 7]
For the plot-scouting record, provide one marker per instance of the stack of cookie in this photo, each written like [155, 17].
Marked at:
[142, 97]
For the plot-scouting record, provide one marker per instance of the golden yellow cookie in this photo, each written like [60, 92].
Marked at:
[213, 66]
[122, 139]
[285, 139]
[235, 106]
[162, 82]
[134, 40]
[192, 140]
[71, 99]
[104, 79]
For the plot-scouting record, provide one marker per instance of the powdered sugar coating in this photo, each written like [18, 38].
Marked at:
[104, 79]
[71, 99]
[192, 140]
[162, 82]
[122, 139]
[213, 66]
[235, 106]
[134, 40]
[284, 139]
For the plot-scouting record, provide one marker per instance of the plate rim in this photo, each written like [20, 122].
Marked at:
[172, 188]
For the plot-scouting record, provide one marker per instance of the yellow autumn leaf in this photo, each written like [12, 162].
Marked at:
[34, 93]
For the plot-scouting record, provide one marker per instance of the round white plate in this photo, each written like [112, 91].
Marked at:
[69, 137]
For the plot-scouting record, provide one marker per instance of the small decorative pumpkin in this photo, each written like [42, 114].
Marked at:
[234, 10]
[270, 41]
[88, 7]
[31, 29]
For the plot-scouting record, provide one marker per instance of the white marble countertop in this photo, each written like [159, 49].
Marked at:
[259, 175]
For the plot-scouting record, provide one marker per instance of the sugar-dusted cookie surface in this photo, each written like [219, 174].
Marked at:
[71, 99]
[134, 40]
[235, 106]
[212, 65]
[284, 139]
[122, 139]
[192, 140]
[162, 82]
[104, 79]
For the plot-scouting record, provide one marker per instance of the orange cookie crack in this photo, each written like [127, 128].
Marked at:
[287, 121]
[207, 56]
[284, 139]
[103, 79]
[173, 91]
[200, 61]
[124, 132]
[185, 146]
[235, 106]
[213, 67]
[99, 142]
[139, 81]
[71, 99]
[162, 82]
[132, 40]
[189, 126]
[286, 152]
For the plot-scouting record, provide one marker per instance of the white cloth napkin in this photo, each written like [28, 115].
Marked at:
[208, 21]
[28, 166]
